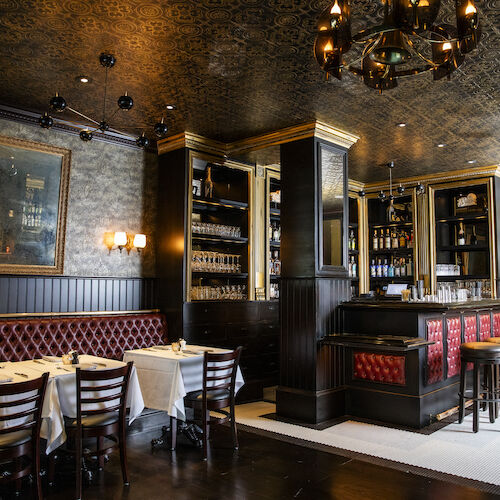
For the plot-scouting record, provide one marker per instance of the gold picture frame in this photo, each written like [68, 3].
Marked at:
[34, 190]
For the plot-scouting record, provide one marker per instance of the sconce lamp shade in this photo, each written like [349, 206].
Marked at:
[120, 238]
[140, 241]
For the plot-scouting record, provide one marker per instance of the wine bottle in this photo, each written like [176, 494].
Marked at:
[394, 238]
[385, 269]
[403, 268]
[387, 239]
[461, 235]
[379, 268]
[375, 240]
[373, 269]
[381, 240]
[473, 238]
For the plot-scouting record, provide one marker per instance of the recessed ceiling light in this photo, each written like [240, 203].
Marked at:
[442, 145]
[170, 107]
[472, 161]
[83, 79]
[401, 124]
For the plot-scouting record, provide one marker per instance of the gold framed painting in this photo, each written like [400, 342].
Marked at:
[34, 185]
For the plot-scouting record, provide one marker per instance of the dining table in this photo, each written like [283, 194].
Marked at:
[60, 396]
[166, 376]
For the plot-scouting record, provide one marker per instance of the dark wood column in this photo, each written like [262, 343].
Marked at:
[311, 378]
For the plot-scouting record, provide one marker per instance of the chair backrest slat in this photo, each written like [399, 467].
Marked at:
[211, 371]
[96, 405]
[32, 415]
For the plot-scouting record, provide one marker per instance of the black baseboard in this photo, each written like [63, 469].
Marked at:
[310, 406]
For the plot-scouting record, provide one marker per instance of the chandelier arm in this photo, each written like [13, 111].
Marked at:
[82, 115]
[414, 71]
[428, 61]
[444, 39]
[374, 30]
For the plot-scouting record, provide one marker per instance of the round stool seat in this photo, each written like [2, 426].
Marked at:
[494, 340]
[480, 350]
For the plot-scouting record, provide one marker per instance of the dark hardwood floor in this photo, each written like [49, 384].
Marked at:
[263, 468]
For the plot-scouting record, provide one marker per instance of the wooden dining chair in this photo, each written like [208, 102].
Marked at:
[23, 401]
[219, 380]
[99, 416]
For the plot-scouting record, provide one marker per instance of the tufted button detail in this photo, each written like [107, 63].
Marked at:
[435, 351]
[102, 336]
[382, 368]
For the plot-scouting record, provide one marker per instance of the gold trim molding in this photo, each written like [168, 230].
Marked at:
[453, 175]
[77, 314]
[316, 129]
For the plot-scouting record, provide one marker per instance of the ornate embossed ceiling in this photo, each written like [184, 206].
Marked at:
[240, 68]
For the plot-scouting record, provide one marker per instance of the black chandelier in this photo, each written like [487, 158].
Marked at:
[407, 29]
[125, 103]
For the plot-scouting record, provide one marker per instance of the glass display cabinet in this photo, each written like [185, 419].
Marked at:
[392, 241]
[462, 236]
[273, 234]
[219, 264]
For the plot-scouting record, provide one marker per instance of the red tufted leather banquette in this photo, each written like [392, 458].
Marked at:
[435, 351]
[105, 336]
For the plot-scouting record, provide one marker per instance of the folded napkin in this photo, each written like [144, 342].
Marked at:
[4, 380]
[52, 359]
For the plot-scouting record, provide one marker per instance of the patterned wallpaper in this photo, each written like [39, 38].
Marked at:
[112, 188]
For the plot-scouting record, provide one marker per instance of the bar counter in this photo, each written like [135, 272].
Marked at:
[402, 360]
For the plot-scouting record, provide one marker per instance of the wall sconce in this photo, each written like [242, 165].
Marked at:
[120, 240]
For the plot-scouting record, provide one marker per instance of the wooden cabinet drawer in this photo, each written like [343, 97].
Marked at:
[270, 311]
[211, 335]
[204, 313]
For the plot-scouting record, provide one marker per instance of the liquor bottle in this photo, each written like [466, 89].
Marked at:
[373, 269]
[381, 240]
[208, 185]
[410, 240]
[354, 270]
[352, 241]
[409, 267]
[277, 264]
[394, 238]
[387, 239]
[397, 269]
[403, 267]
[271, 265]
[379, 268]
[391, 212]
[350, 268]
[390, 271]
[473, 238]
[276, 233]
[270, 231]
[402, 239]
[375, 240]
[385, 269]
[461, 235]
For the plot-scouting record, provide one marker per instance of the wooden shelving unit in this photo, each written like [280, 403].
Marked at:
[273, 246]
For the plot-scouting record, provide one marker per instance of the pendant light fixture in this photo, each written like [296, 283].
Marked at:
[390, 49]
[125, 103]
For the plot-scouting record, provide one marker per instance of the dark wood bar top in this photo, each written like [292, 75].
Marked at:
[418, 306]
[377, 342]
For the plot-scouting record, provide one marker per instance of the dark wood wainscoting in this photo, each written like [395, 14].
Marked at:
[61, 294]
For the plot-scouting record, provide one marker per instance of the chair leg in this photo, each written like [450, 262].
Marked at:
[463, 374]
[491, 391]
[36, 472]
[173, 433]
[205, 431]
[78, 464]
[100, 447]
[123, 454]
[18, 468]
[475, 396]
[497, 387]
[208, 424]
[234, 431]
[51, 459]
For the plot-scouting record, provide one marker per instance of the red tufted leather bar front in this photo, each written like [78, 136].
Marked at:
[496, 324]
[106, 336]
[435, 352]
[454, 337]
[383, 368]
[484, 327]
[470, 329]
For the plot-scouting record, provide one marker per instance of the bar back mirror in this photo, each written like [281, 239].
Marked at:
[34, 182]
[333, 206]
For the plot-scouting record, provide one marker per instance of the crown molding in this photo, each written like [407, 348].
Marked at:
[29, 118]
[467, 173]
[316, 129]
[355, 185]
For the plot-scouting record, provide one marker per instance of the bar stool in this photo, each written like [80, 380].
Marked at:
[486, 354]
[496, 340]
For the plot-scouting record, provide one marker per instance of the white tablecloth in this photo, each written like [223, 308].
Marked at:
[60, 398]
[165, 377]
